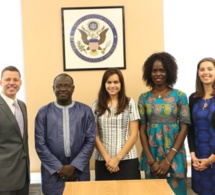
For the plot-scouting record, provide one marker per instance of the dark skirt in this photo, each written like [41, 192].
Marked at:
[129, 169]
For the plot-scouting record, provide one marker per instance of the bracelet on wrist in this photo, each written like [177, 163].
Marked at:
[174, 150]
[211, 164]
[167, 161]
[152, 163]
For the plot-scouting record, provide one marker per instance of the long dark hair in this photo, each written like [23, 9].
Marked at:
[200, 91]
[103, 95]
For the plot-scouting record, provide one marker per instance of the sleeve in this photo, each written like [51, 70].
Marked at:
[183, 108]
[191, 133]
[213, 121]
[49, 161]
[81, 161]
[93, 107]
[142, 110]
[133, 111]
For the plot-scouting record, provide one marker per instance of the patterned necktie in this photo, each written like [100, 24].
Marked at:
[19, 117]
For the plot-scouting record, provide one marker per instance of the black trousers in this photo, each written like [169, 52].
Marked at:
[129, 169]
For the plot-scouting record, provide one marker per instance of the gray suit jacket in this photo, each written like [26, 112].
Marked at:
[14, 155]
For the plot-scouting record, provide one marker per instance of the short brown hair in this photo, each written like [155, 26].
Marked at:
[10, 68]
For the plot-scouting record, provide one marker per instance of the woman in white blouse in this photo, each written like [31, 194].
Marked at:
[117, 120]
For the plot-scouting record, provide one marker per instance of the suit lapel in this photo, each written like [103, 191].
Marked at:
[5, 108]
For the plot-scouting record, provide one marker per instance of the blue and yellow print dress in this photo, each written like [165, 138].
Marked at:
[163, 117]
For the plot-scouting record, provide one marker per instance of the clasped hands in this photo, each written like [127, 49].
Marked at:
[160, 169]
[200, 164]
[112, 164]
[67, 173]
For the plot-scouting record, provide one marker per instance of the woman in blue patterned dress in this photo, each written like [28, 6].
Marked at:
[165, 117]
[201, 137]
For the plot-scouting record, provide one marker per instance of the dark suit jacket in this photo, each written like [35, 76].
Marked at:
[14, 155]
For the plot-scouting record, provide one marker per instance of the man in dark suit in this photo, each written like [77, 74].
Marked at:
[14, 155]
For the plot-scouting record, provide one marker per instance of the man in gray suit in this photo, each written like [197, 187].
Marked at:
[14, 155]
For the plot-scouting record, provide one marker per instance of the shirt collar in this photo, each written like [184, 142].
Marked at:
[8, 100]
[68, 106]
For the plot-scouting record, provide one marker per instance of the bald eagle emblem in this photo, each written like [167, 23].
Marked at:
[93, 38]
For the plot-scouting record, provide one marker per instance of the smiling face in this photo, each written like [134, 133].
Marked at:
[63, 89]
[113, 85]
[10, 83]
[206, 72]
[158, 73]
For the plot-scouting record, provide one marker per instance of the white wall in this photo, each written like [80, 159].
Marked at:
[11, 41]
[189, 35]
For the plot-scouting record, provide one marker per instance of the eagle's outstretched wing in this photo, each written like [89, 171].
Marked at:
[84, 36]
[102, 36]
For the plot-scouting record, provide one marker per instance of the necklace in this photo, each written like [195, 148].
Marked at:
[159, 94]
[205, 105]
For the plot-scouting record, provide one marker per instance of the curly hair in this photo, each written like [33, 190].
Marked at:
[200, 91]
[169, 64]
[103, 95]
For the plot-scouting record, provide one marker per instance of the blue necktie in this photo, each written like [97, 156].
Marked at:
[19, 117]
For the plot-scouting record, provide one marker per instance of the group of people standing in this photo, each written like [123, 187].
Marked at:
[66, 131]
